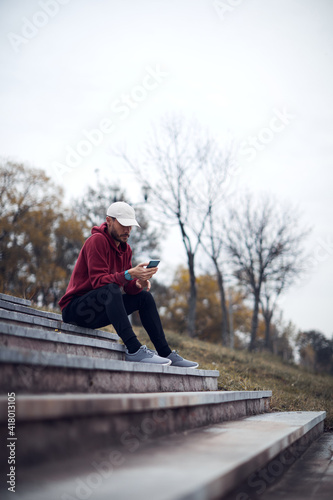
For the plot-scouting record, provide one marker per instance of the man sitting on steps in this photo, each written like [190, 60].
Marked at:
[94, 299]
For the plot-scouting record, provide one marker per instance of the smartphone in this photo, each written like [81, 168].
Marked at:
[153, 263]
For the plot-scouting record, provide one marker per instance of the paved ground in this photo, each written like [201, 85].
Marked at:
[310, 478]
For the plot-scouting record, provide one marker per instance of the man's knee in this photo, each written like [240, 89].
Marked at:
[107, 296]
[147, 298]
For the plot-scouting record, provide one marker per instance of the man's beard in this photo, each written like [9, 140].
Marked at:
[117, 236]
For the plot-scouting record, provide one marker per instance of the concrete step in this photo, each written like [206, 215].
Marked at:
[13, 335]
[309, 478]
[203, 464]
[46, 322]
[24, 371]
[14, 300]
[25, 308]
[51, 426]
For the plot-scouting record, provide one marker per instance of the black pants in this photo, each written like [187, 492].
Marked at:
[107, 305]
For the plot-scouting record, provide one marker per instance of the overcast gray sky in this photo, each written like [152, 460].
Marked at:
[258, 70]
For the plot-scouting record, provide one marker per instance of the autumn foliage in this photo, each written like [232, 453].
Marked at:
[39, 237]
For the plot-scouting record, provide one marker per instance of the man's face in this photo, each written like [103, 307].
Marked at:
[118, 232]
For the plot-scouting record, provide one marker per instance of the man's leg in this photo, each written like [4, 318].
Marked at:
[101, 307]
[144, 303]
[107, 305]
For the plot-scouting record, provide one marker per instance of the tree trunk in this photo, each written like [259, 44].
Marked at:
[268, 319]
[224, 324]
[254, 321]
[193, 297]
[231, 323]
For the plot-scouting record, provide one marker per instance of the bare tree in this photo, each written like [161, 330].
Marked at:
[265, 245]
[272, 290]
[316, 351]
[213, 244]
[268, 302]
[184, 169]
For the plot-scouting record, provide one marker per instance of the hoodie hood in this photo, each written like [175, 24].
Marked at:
[103, 229]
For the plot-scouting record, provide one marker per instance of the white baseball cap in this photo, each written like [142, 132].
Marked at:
[123, 212]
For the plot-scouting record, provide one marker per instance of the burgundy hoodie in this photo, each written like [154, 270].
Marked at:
[100, 262]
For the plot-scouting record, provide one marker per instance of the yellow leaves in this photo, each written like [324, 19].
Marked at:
[39, 239]
[209, 310]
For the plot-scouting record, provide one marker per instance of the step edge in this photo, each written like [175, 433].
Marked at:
[237, 473]
[282, 417]
[55, 324]
[28, 309]
[71, 361]
[52, 336]
[53, 406]
[15, 300]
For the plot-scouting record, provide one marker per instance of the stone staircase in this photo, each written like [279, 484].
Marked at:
[91, 425]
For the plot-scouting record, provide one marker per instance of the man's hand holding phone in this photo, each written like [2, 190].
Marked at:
[143, 272]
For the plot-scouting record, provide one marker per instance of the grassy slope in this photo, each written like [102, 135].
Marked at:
[294, 389]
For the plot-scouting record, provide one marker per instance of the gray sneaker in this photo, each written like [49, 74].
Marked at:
[177, 360]
[145, 355]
